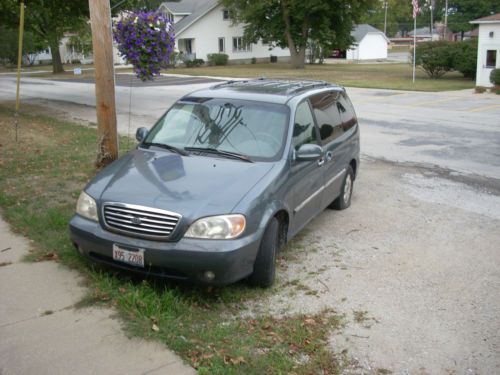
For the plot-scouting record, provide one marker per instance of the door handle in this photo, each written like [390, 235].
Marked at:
[329, 156]
[321, 161]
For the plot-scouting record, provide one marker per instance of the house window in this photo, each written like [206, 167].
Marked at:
[225, 15]
[240, 46]
[491, 58]
[222, 45]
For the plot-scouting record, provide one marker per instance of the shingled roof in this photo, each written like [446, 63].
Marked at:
[193, 9]
[361, 30]
[489, 19]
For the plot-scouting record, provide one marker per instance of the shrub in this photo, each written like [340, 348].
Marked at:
[253, 60]
[194, 63]
[435, 58]
[495, 77]
[217, 58]
[479, 89]
[146, 40]
[464, 57]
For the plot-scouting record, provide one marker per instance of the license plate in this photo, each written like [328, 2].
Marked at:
[134, 258]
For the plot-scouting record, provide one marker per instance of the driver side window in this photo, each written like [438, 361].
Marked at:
[303, 128]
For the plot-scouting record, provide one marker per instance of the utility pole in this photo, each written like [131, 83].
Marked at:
[385, 18]
[102, 41]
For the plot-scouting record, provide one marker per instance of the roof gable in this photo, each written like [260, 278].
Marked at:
[194, 9]
[360, 31]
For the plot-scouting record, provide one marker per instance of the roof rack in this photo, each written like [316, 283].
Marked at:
[287, 86]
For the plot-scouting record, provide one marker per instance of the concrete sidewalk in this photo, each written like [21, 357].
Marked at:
[42, 333]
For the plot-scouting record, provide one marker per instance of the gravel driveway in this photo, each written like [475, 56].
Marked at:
[414, 266]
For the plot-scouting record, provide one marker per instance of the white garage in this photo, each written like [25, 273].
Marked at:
[371, 44]
[488, 48]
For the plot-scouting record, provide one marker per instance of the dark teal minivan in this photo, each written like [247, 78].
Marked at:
[224, 179]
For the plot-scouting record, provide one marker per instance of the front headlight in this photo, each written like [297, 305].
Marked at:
[86, 206]
[221, 227]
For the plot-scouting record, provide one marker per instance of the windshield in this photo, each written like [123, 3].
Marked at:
[256, 130]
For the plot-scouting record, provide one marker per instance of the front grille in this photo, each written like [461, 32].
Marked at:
[139, 221]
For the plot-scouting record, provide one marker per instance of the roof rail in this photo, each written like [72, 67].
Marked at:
[288, 86]
[307, 86]
[226, 83]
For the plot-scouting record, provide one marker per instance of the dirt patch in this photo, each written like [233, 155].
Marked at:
[412, 265]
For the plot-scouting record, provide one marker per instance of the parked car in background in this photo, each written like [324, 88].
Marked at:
[222, 181]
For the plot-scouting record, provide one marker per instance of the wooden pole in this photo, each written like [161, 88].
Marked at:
[102, 41]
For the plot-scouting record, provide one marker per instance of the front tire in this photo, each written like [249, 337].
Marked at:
[343, 201]
[264, 268]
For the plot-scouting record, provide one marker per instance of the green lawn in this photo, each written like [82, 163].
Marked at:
[41, 177]
[385, 76]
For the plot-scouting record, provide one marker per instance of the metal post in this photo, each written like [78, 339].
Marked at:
[385, 18]
[414, 45]
[19, 60]
[446, 20]
[432, 19]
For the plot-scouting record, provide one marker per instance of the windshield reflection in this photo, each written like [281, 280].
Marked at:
[253, 129]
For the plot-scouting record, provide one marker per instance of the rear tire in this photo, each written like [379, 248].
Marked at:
[343, 201]
[264, 268]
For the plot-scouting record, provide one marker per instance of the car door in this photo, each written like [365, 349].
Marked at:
[306, 176]
[330, 125]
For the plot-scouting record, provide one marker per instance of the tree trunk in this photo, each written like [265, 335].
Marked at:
[297, 59]
[57, 66]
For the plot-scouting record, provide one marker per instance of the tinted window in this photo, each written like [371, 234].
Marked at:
[327, 116]
[346, 111]
[303, 129]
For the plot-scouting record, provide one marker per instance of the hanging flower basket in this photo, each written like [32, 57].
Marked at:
[145, 40]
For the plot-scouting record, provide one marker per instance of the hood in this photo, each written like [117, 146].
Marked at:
[193, 186]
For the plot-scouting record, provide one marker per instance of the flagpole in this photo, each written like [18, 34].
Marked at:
[414, 45]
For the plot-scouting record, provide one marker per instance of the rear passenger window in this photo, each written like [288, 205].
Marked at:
[303, 129]
[346, 112]
[327, 116]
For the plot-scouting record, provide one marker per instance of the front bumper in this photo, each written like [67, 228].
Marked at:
[186, 259]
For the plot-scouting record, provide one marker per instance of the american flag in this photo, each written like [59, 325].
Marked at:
[416, 9]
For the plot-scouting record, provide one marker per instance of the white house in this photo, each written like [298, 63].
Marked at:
[488, 49]
[371, 44]
[203, 27]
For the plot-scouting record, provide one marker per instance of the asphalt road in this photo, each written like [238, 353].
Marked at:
[457, 130]
[129, 80]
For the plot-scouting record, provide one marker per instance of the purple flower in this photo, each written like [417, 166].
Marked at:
[144, 42]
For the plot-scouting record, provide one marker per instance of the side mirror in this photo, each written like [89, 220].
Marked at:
[309, 151]
[141, 133]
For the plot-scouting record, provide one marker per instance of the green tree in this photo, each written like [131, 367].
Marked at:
[399, 16]
[120, 5]
[9, 40]
[48, 20]
[82, 40]
[463, 11]
[292, 23]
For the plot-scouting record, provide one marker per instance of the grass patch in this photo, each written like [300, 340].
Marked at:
[41, 177]
[384, 76]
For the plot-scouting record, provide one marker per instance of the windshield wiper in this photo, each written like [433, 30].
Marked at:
[233, 155]
[180, 151]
